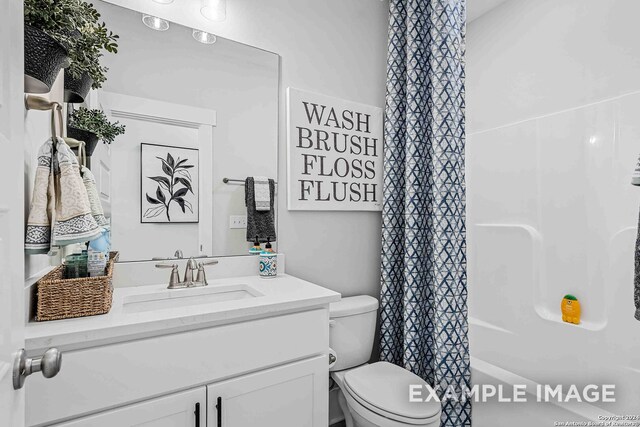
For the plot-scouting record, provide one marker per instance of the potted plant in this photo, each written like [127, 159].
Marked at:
[91, 126]
[46, 33]
[85, 71]
[64, 33]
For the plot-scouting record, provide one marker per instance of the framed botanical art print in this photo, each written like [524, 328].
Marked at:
[169, 184]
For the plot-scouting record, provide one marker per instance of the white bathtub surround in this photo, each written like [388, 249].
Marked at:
[261, 349]
[551, 210]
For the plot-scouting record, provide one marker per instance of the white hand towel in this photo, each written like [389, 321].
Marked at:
[60, 205]
[38, 235]
[73, 221]
[94, 198]
[262, 193]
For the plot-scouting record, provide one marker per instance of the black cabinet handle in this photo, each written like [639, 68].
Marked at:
[219, 408]
[197, 414]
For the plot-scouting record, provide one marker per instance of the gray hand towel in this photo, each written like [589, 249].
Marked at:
[636, 296]
[259, 223]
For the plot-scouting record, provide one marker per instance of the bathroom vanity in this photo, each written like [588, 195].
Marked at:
[241, 352]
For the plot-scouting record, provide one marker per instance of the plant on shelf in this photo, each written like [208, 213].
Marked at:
[75, 25]
[86, 51]
[96, 122]
[176, 185]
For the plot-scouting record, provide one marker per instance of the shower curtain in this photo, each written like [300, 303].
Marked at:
[424, 283]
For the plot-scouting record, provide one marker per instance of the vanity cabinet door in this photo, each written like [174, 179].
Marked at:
[293, 395]
[175, 410]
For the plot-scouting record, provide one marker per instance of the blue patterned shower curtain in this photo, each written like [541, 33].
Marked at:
[424, 281]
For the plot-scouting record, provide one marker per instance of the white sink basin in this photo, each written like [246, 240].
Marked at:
[173, 298]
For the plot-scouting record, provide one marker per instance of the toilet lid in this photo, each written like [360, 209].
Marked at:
[385, 386]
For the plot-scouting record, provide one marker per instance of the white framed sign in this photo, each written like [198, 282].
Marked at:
[334, 154]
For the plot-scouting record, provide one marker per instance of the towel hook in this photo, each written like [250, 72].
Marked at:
[40, 103]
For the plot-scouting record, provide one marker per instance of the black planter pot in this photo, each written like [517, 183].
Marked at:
[76, 89]
[90, 139]
[43, 59]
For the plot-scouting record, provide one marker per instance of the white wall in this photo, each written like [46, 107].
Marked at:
[553, 108]
[333, 47]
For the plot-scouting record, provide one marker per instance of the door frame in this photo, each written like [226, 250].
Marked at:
[12, 208]
[203, 120]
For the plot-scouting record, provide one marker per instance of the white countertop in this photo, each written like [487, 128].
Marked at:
[280, 295]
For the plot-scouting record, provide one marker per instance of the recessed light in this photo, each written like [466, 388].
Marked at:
[204, 37]
[155, 23]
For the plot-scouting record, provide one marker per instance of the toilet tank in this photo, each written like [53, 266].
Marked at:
[352, 330]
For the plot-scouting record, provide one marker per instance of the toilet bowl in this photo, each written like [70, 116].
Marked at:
[377, 394]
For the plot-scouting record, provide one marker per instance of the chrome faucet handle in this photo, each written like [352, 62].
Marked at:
[201, 278]
[174, 279]
[166, 265]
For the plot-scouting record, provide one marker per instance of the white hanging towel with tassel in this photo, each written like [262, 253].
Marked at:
[60, 203]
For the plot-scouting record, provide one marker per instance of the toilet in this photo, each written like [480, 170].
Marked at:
[377, 394]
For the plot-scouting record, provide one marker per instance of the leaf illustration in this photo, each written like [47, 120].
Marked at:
[152, 200]
[185, 182]
[154, 212]
[187, 166]
[180, 201]
[181, 192]
[165, 166]
[164, 182]
[160, 195]
[188, 205]
[170, 160]
[184, 174]
[180, 162]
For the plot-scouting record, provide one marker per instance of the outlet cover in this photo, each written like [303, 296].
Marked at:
[237, 221]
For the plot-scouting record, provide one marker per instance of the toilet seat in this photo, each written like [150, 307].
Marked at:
[383, 388]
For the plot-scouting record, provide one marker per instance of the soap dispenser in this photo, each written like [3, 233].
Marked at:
[256, 248]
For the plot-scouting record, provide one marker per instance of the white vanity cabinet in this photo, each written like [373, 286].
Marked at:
[289, 396]
[266, 371]
[293, 395]
[175, 410]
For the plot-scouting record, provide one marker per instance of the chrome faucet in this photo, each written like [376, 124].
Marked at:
[188, 281]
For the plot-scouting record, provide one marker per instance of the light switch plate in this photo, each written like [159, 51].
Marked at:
[237, 221]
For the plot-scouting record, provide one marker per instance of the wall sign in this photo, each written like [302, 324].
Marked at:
[334, 159]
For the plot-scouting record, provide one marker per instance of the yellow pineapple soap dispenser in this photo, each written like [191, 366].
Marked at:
[570, 308]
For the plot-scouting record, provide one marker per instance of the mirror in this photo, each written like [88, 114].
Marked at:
[195, 113]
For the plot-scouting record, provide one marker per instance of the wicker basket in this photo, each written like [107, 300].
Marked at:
[60, 298]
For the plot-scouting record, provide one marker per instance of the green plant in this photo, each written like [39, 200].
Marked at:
[75, 24]
[96, 121]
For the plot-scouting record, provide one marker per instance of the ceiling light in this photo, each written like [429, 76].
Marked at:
[163, 1]
[214, 10]
[155, 23]
[204, 37]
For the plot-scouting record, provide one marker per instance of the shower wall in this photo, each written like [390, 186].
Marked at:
[553, 122]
